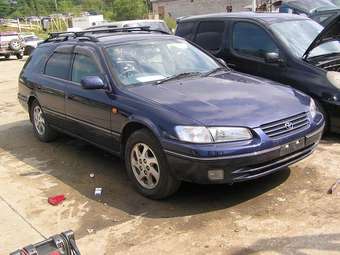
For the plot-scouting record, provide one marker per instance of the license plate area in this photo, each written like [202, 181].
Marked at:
[292, 146]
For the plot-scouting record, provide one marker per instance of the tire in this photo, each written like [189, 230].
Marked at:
[325, 115]
[7, 56]
[40, 126]
[147, 166]
[15, 45]
[19, 55]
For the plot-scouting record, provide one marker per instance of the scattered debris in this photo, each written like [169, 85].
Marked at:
[91, 175]
[90, 230]
[333, 187]
[281, 199]
[98, 192]
[55, 200]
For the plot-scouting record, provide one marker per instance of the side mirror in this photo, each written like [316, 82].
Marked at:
[273, 58]
[221, 61]
[92, 82]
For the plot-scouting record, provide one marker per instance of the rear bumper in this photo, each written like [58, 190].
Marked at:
[5, 52]
[239, 168]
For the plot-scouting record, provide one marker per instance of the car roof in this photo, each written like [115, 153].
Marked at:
[263, 17]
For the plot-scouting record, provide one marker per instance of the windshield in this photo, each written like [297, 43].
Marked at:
[151, 61]
[336, 2]
[298, 35]
[310, 5]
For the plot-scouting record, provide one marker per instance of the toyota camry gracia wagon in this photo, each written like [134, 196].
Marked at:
[172, 111]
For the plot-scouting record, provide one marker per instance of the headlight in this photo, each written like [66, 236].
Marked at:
[194, 134]
[312, 108]
[334, 78]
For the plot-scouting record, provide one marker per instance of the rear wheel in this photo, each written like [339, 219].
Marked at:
[40, 126]
[147, 166]
[7, 56]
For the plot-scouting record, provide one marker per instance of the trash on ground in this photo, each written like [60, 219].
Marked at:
[55, 200]
[333, 187]
[90, 230]
[98, 191]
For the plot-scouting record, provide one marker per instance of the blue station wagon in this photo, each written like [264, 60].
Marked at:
[172, 111]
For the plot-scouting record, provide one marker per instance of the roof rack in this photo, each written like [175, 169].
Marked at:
[86, 34]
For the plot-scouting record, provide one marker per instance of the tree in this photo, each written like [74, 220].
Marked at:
[4, 8]
[129, 9]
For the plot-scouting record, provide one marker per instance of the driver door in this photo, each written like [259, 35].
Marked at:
[88, 111]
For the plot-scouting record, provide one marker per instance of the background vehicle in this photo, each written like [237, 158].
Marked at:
[173, 112]
[153, 24]
[322, 11]
[31, 41]
[290, 49]
[11, 43]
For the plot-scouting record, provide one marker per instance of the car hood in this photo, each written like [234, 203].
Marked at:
[229, 99]
[330, 32]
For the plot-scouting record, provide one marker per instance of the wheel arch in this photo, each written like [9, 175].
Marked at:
[30, 100]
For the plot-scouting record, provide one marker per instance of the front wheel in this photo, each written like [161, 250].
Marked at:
[20, 55]
[147, 166]
[41, 129]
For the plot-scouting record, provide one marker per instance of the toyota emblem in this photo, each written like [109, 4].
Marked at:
[289, 125]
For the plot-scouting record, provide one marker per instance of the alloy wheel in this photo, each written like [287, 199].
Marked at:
[145, 166]
[39, 121]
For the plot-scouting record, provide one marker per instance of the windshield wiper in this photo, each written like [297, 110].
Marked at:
[218, 69]
[179, 76]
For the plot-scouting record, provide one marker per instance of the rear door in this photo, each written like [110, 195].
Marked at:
[51, 85]
[88, 110]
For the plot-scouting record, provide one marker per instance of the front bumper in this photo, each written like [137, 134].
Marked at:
[242, 167]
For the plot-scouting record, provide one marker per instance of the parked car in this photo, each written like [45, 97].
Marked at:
[154, 24]
[172, 111]
[11, 43]
[31, 42]
[286, 48]
[322, 11]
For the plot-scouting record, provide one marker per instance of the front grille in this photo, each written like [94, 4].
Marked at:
[286, 126]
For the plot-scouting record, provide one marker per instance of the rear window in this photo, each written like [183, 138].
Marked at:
[185, 30]
[58, 65]
[210, 35]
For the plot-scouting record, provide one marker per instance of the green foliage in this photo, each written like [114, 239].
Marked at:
[112, 9]
[171, 22]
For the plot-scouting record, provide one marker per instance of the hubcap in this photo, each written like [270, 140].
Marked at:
[39, 120]
[145, 165]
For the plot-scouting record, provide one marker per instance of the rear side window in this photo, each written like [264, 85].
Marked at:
[84, 66]
[185, 30]
[58, 65]
[36, 61]
[250, 39]
[210, 35]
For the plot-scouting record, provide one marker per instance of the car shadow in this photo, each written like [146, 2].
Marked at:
[71, 161]
[298, 245]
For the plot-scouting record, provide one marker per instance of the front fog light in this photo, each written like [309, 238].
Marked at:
[216, 174]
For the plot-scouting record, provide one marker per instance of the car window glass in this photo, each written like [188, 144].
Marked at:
[83, 66]
[35, 62]
[250, 39]
[185, 30]
[210, 34]
[58, 65]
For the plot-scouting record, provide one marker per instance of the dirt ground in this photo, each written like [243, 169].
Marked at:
[285, 213]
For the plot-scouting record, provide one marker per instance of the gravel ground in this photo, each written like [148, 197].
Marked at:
[286, 213]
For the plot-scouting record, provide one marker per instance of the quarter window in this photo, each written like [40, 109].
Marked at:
[83, 66]
[250, 39]
[58, 65]
[210, 35]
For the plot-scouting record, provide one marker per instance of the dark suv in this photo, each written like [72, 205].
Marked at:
[172, 111]
[286, 48]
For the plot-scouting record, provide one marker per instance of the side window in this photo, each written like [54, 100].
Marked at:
[210, 35]
[35, 62]
[84, 66]
[252, 40]
[58, 65]
[185, 30]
